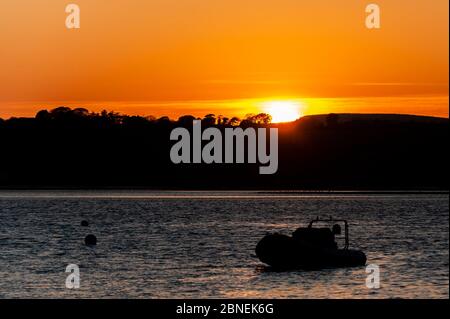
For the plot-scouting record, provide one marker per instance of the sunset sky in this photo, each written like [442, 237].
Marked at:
[230, 57]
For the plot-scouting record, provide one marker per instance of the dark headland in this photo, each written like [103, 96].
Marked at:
[66, 148]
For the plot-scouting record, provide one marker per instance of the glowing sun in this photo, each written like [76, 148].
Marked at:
[283, 111]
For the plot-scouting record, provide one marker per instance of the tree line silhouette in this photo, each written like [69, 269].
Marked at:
[81, 116]
[75, 148]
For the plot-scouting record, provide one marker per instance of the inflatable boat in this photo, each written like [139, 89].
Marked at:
[309, 248]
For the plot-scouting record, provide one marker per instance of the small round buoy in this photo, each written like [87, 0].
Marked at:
[84, 223]
[90, 240]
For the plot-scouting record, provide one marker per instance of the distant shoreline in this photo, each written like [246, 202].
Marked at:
[257, 191]
[76, 149]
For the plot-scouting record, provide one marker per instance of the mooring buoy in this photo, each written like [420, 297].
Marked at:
[90, 240]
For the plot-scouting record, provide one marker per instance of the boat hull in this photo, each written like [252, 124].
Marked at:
[284, 252]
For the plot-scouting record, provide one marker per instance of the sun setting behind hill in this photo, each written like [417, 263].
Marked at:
[283, 111]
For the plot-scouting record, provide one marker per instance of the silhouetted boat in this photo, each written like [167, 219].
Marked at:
[309, 248]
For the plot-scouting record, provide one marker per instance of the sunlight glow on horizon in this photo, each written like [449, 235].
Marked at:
[425, 106]
[283, 111]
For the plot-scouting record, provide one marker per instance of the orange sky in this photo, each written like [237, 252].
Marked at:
[172, 57]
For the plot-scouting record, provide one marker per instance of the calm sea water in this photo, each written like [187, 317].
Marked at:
[201, 244]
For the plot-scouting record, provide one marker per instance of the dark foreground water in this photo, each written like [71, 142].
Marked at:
[201, 244]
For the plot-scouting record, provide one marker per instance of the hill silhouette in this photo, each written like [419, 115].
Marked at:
[74, 148]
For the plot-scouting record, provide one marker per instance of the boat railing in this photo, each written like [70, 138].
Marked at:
[331, 219]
